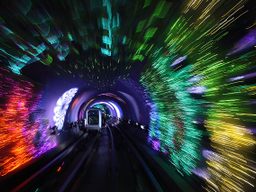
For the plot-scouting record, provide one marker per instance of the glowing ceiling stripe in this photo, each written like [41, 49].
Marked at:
[113, 106]
[117, 109]
[110, 107]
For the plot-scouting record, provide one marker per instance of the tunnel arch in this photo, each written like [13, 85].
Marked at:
[114, 107]
[196, 77]
[123, 99]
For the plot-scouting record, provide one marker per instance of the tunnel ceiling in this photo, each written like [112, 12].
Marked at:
[97, 41]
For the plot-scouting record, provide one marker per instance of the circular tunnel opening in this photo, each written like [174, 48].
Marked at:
[112, 109]
[116, 104]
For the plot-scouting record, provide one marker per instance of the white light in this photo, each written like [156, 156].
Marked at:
[118, 113]
[196, 90]
[142, 127]
[61, 107]
[236, 78]
[179, 60]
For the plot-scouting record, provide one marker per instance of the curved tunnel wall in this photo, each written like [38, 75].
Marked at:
[131, 108]
[198, 81]
[115, 108]
[27, 111]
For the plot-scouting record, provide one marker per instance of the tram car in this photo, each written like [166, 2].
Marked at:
[95, 119]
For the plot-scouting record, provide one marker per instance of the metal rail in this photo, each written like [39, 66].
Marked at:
[147, 170]
[87, 155]
[49, 165]
[86, 161]
[113, 159]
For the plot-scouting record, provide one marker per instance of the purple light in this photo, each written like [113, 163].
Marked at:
[247, 76]
[212, 156]
[197, 90]
[133, 103]
[201, 172]
[252, 130]
[156, 145]
[246, 42]
[178, 61]
[195, 79]
[236, 78]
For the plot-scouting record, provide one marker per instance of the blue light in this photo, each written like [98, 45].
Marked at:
[107, 40]
[105, 52]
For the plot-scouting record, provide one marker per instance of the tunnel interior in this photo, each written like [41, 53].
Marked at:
[182, 73]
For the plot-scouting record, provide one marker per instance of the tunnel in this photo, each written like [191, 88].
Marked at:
[128, 95]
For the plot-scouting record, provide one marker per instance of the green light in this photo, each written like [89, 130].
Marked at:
[107, 40]
[174, 113]
[70, 37]
[150, 33]
[138, 57]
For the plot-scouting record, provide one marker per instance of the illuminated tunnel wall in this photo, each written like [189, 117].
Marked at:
[109, 108]
[27, 112]
[131, 101]
[185, 68]
[23, 122]
[108, 103]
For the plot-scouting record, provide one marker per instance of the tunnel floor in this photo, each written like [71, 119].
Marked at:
[111, 168]
[111, 160]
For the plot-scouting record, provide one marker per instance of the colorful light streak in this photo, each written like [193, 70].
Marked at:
[22, 138]
[230, 167]
[109, 24]
[158, 34]
[211, 73]
[245, 43]
[43, 40]
[179, 60]
[173, 114]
